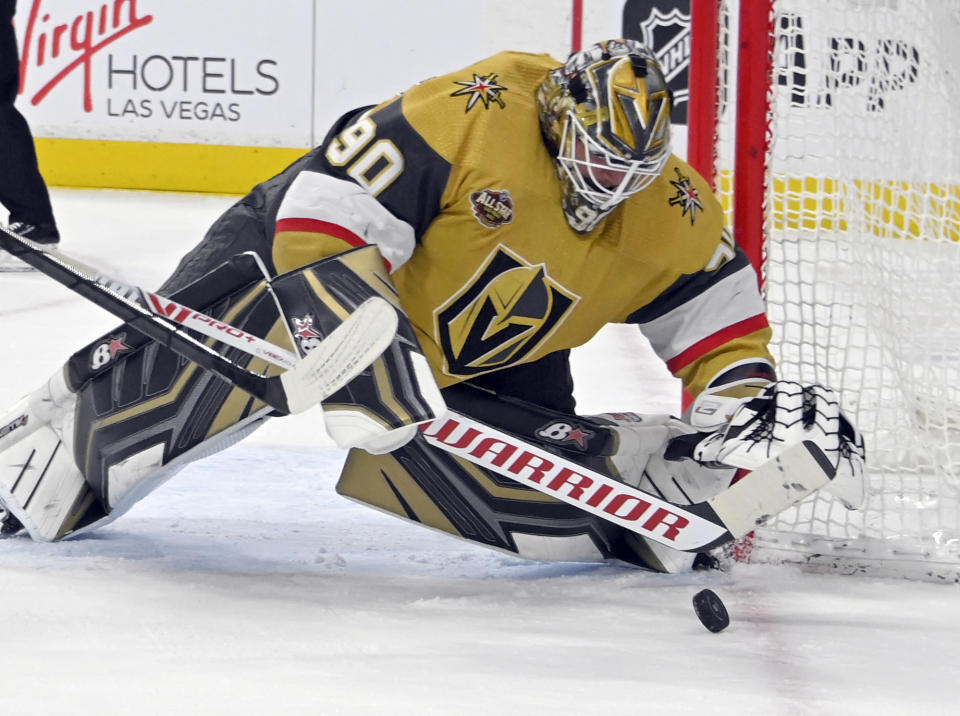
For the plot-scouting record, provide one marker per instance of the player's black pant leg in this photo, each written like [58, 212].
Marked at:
[22, 189]
[239, 229]
[547, 382]
[248, 225]
[534, 401]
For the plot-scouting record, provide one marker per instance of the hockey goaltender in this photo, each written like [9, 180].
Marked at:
[503, 213]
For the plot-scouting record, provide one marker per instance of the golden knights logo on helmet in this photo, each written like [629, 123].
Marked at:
[605, 116]
[508, 309]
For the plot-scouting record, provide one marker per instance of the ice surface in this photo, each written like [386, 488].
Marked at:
[246, 586]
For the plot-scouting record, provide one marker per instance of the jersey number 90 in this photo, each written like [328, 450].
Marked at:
[373, 166]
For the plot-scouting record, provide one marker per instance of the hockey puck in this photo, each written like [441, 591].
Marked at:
[710, 610]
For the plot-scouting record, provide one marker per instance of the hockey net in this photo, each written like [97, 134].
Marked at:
[835, 148]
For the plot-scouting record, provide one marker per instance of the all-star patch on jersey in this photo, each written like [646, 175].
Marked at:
[454, 184]
[492, 208]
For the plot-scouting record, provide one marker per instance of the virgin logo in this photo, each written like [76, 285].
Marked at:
[68, 44]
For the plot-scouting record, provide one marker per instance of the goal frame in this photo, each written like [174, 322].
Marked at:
[752, 143]
[746, 191]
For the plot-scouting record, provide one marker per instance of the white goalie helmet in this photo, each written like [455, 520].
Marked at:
[605, 117]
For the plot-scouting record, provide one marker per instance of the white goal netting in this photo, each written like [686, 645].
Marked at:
[862, 265]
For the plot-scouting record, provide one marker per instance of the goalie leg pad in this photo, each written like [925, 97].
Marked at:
[434, 487]
[115, 424]
[428, 486]
[40, 484]
[149, 406]
[240, 279]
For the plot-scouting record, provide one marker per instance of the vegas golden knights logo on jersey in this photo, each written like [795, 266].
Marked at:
[508, 309]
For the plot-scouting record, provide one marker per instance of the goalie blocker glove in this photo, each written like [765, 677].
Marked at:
[785, 414]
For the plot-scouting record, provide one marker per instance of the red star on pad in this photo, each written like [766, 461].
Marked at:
[116, 345]
[580, 436]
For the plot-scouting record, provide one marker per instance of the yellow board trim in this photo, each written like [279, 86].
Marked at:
[895, 209]
[892, 208]
[160, 166]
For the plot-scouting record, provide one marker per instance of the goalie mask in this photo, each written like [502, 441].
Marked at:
[605, 117]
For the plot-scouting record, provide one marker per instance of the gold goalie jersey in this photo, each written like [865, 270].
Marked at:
[453, 182]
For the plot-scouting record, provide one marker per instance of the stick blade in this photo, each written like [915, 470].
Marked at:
[773, 487]
[341, 356]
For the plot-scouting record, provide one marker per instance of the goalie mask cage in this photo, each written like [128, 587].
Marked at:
[830, 130]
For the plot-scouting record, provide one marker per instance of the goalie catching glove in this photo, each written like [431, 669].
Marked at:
[782, 415]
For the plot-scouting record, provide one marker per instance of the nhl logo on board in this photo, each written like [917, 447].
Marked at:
[668, 34]
[492, 207]
[307, 338]
[664, 27]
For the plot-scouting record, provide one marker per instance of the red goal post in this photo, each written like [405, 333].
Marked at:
[829, 131]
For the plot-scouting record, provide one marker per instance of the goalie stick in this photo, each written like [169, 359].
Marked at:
[733, 513]
[339, 357]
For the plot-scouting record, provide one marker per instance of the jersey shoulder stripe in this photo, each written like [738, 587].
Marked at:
[379, 151]
[689, 286]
